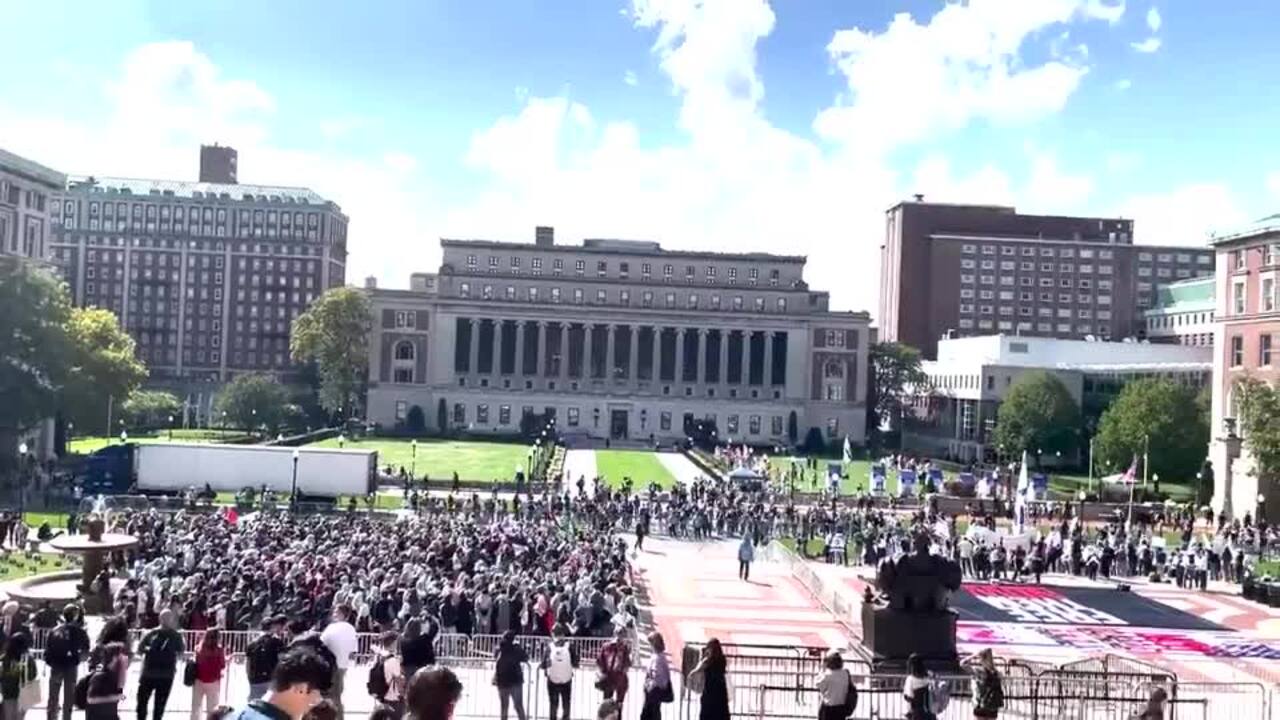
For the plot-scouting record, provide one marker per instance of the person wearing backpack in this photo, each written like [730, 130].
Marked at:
[558, 664]
[508, 675]
[99, 693]
[160, 649]
[263, 654]
[918, 690]
[386, 677]
[66, 647]
[988, 691]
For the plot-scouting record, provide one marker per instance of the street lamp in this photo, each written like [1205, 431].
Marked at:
[1262, 500]
[22, 479]
[124, 437]
[293, 491]
[413, 465]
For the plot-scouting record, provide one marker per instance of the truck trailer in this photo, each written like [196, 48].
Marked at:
[175, 467]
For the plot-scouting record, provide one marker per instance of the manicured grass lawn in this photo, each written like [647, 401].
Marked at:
[19, 566]
[642, 466]
[858, 476]
[36, 519]
[90, 443]
[1269, 567]
[479, 461]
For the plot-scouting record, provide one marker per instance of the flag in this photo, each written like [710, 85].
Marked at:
[1131, 475]
[1024, 479]
[848, 450]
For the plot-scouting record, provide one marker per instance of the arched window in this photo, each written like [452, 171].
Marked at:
[404, 350]
[833, 369]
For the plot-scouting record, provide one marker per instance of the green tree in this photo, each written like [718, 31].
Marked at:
[152, 409]
[255, 402]
[104, 368]
[896, 371]
[1159, 416]
[1038, 415]
[34, 357]
[334, 334]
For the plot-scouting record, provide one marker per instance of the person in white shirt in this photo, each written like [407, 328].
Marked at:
[832, 684]
[340, 637]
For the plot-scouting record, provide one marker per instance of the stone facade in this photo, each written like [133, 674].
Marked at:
[622, 340]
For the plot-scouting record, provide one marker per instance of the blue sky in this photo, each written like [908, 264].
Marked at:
[723, 124]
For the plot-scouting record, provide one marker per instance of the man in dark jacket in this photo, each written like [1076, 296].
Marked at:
[160, 650]
[262, 656]
[66, 648]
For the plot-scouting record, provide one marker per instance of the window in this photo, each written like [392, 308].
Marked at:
[624, 297]
[646, 298]
[693, 300]
[966, 293]
[555, 294]
[775, 425]
[402, 375]
[577, 296]
[1238, 259]
[782, 304]
[646, 270]
[557, 266]
[405, 351]
[486, 292]
[515, 264]
[493, 263]
[602, 268]
[602, 296]
[759, 304]
[986, 294]
[1237, 350]
[666, 272]
[988, 264]
[967, 264]
[536, 264]
[670, 299]
[969, 249]
[1237, 298]
[573, 417]
[834, 338]
[511, 292]
[1268, 294]
[1046, 252]
[464, 289]
[1008, 250]
[504, 414]
[402, 410]
[579, 267]
[482, 414]
[737, 302]
[731, 425]
[624, 270]
[689, 273]
[533, 294]
[664, 420]
[459, 414]
[753, 425]
[988, 249]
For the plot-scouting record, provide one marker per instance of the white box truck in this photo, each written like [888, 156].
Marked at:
[322, 472]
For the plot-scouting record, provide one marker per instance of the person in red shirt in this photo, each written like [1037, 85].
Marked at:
[210, 661]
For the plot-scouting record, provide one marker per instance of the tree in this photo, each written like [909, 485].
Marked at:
[895, 371]
[104, 369]
[1038, 415]
[34, 357]
[814, 442]
[415, 421]
[334, 334]
[255, 402]
[152, 409]
[1258, 406]
[793, 428]
[1159, 416]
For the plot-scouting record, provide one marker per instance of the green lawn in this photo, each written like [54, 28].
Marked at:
[479, 461]
[857, 476]
[17, 566]
[55, 520]
[90, 443]
[642, 466]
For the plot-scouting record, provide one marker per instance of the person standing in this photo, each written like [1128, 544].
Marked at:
[988, 691]
[657, 680]
[110, 665]
[340, 638]
[262, 656]
[16, 670]
[746, 554]
[386, 677]
[66, 648]
[210, 660]
[160, 649]
[432, 694]
[833, 687]
[559, 663]
[613, 661]
[418, 648]
[1155, 705]
[297, 685]
[714, 703]
[508, 674]
[916, 690]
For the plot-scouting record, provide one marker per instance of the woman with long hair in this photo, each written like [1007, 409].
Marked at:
[210, 660]
[657, 680]
[714, 703]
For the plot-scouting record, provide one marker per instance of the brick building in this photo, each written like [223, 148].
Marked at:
[621, 340]
[206, 277]
[25, 191]
[960, 270]
[1246, 343]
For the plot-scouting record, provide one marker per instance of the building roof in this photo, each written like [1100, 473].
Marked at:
[1194, 295]
[621, 247]
[184, 189]
[1054, 353]
[33, 171]
[1261, 226]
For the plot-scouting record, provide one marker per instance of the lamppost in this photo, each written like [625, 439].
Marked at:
[1258, 516]
[170, 428]
[528, 462]
[124, 437]
[413, 464]
[293, 491]
[22, 478]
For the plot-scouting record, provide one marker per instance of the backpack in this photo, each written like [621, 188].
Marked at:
[60, 649]
[939, 696]
[81, 699]
[378, 685]
[850, 699]
[559, 664]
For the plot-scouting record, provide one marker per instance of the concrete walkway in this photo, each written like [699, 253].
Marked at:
[580, 463]
[680, 467]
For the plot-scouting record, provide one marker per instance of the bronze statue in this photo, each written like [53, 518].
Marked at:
[95, 527]
[919, 582]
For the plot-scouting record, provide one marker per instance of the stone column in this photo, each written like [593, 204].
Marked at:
[768, 357]
[746, 357]
[610, 350]
[519, 363]
[564, 351]
[633, 362]
[655, 369]
[473, 366]
[586, 351]
[679, 366]
[539, 366]
[700, 342]
[724, 357]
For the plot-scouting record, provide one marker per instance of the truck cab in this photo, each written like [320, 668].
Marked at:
[108, 471]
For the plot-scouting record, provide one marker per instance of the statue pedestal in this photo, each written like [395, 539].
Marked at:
[893, 635]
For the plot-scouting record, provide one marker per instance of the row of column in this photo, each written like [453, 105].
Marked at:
[622, 352]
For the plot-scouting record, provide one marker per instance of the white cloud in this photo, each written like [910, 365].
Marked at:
[1184, 215]
[914, 80]
[1149, 45]
[1101, 10]
[1123, 84]
[1153, 19]
[629, 77]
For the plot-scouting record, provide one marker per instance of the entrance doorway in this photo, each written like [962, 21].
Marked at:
[618, 424]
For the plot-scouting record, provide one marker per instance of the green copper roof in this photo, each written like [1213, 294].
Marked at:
[1187, 295]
